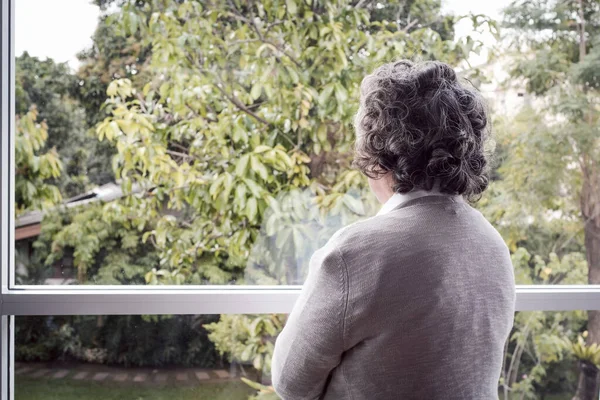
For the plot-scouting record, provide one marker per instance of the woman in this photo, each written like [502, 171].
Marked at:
[416, 302]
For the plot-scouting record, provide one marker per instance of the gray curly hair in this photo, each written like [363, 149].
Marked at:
[418, 121]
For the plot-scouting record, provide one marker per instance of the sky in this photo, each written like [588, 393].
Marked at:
[54, 28]
[59, 29]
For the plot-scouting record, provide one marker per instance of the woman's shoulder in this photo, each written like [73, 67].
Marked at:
[408, 229]
[396, 220]
[368, 230]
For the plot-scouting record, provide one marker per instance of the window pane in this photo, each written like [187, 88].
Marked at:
[149, 357]
[178, 142]
[161, 357]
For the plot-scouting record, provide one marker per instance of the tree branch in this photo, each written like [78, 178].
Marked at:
[410, 25]
[261, 37]
[180, 147]
[179, 154]
[235, 101]
[360, 4]
[582, 46]
[195, 113]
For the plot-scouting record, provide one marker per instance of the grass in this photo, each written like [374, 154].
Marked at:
[564, 396]
[53, 389]
[66, 389]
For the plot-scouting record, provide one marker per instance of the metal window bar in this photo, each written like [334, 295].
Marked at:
[57, 300]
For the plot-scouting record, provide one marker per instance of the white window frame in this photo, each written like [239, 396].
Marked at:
[130, 300]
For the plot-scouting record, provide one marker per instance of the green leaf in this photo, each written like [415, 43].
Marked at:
[291, 7]
[227, 187]
[271, 225]
[257, 363]
[216, 185]
[239, 134]
[341, 94]
[241, 167]
[322, 133]
[251, 208]
[247, 353]
[255, 189]
[282, 237]
[112, 89]
[112, 131]
[255, 326]
[293, 74]
[256, 91]
[298, 239]
[255, 385]
[342, 57]
[147, 88]
[262, 148]
[325, 94]
[355, 205]
[259, 168]
[240, 196]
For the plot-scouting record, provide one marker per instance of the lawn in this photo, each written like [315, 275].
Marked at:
[52, 389]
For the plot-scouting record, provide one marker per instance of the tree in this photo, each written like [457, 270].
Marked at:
[112, 55]
[49, 87]
[228, 104]
[34, 169]
[556, 53]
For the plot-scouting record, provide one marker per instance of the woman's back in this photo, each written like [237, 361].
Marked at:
[431, 303]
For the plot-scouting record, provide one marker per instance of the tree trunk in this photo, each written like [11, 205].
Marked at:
[588, 382]
[512, 379]
[592, 245]
[590, 209]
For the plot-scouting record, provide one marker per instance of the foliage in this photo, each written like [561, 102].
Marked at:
[43, 344]
[104, 243]
[34, 168]
[549, 167]
[555, 42]
[263, 94]
[131, 340]
[534, 203]
[584, 352]
[112, 56]
[50, 87]
[537, 357]
[247, 338]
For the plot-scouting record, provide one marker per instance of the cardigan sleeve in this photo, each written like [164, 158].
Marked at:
[312, 341]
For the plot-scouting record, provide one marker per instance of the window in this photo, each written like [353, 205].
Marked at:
[187, 161]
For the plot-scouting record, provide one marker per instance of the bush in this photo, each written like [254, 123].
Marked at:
[148, 341]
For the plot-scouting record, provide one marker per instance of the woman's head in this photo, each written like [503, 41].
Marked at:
[418, 125]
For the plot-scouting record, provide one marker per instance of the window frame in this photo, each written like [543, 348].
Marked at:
[105, 300]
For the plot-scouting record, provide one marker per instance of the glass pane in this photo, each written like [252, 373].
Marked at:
[206, 356]
[178, 142]
[143, 357]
